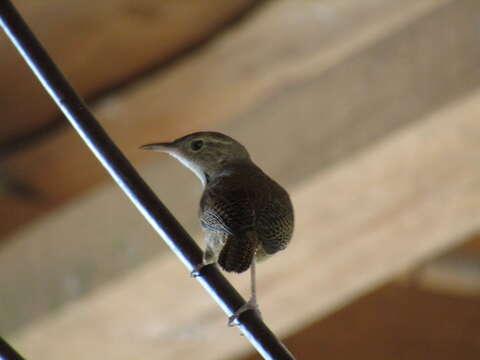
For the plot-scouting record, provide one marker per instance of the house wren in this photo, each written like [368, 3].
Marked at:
[245, 215]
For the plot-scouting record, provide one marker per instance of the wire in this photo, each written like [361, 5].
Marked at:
[7, 352]
[77, 112]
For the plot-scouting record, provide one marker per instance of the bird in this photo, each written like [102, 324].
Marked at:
[245, 215]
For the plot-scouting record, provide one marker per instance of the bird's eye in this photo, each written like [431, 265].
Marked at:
[196, 145]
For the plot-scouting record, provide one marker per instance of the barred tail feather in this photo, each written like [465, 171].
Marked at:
[237, 253]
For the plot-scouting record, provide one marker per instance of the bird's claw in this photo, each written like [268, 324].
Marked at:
[196, 271]
[249, 305]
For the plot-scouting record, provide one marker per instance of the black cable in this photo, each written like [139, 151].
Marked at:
[76, 111]
[7, 352]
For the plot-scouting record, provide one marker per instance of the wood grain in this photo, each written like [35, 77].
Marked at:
[358, 224]
[99, 46]
[92, 222]
[320, 67]
[393, 322]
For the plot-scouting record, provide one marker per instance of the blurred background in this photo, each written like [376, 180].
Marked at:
[366, 111]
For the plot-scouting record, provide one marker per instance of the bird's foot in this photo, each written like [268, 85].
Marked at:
[197, 271]
[249, 305]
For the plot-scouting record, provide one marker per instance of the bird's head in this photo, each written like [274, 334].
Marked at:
[206, 153]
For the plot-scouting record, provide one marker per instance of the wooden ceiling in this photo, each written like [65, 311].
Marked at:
[366, 111]
[100, 48]
[394, 322]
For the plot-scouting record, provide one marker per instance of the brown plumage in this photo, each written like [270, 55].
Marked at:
[246, 216]
[250, 211]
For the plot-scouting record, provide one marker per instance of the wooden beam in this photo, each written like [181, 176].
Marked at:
[456, 273]
[151, 111]
[412, 195]
[101, 45]
[394, 322]
[307, 67]
[55, 277]
[449, 274]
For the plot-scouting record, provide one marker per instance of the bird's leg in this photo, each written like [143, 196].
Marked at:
[208, 258]
[213, 242]
[251, 304]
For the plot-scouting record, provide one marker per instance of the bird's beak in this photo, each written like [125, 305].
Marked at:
[162, 147]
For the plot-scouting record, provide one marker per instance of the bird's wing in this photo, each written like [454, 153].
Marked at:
[227, 208]
[275, 221]
[236, 207]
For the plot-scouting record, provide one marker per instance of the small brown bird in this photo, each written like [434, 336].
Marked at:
[245, 215]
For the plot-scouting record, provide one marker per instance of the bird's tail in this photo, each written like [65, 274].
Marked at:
[237, 253]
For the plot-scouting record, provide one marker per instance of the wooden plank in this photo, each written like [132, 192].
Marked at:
[100, 45]
[302, 68]
[62, 167]
[73, 270]
[412, 195]
[456, 273]
[394, 322]
[450, 274]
